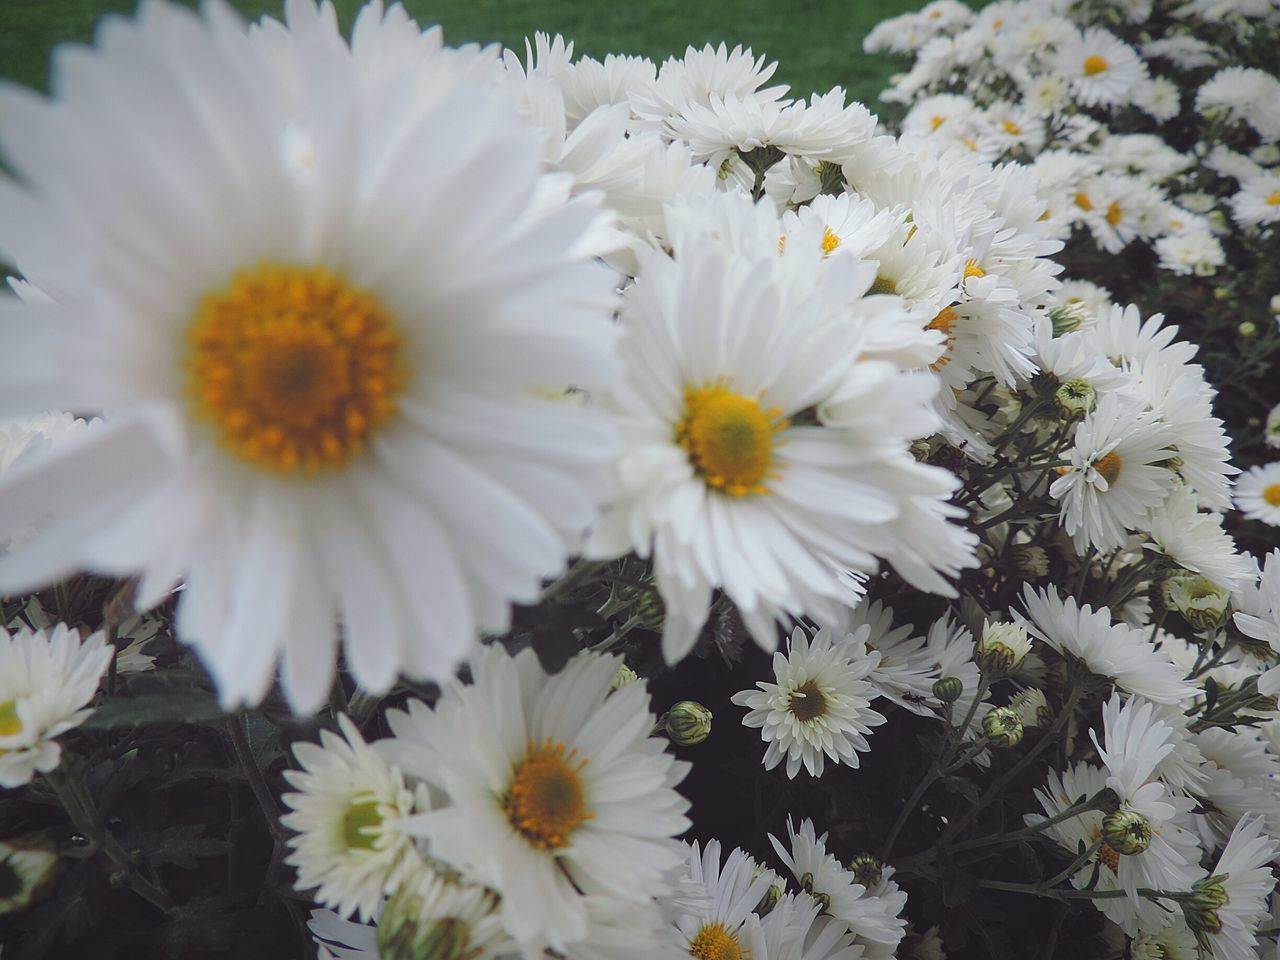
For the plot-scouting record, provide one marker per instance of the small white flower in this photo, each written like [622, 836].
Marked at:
[47, 677]
[1257, 493]
[820, 705]
[1102, 69]
[1196, 540]
[711, 919]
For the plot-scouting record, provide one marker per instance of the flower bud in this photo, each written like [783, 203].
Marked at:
[688, 723]
[1067, 317]
[1247, 329]
[1003, 727]
[866, 870]
[1126, 832]
[1030, 560]
[776, 891]
[1002, 648]
[1075, 399]
[624, 676]
[26, 872]
[1032, 708]
[1221, 293]
[1272, 430]
[1201, 910]
[948, 689]
[1202, 603]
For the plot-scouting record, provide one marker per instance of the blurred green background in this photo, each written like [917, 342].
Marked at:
[818, 43]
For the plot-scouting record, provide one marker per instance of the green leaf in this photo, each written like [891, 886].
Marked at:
[185, 706]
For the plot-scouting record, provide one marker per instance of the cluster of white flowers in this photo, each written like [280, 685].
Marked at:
[383, 334]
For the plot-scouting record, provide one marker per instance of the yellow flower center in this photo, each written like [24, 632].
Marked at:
[360, 825]
[971, 269]
[1109, 466]
[1274, 199]
[807, 702]
[936, 121]
[10, 723]
[1011, 127]
[1114, 213]
[1109, 857]
[1094, 65]
[294, 368]
[1083, 201]
[730, 438]
[829, 240]
[883, 284]
[545, 801]
[715, 942]
[944, 321]
[1270, 493]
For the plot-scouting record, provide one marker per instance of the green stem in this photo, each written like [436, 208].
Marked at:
[930, 777]
[239, 734]
[1096, 802]
[581, 571]
[1071, 893]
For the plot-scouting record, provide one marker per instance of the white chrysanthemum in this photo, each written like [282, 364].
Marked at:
[712, 920]
[1196, 541]
[1183, 50]
[1258, 201]
[1258, 602]
[1192, 251]
[820, 705]
[1117, 473]
[1175, 942]
[1257, 493]
[323, 370]
[556, 791]
[345, 816]
[1243, 93]
[1234, 898]
[797, 929]
[1103, 70]
[873, 914]
[46, 679]
[764, 452]
[1112, 650]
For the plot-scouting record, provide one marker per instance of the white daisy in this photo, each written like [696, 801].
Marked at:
[324, 405]
[1196, 541]
[1257, 493]
[556, 791]
[1233, 899]
[819, 707]
[1258, 201]
[1112, 650]
[47, 678]
[347, 841]
[1117, 473]
[1257, 602]
[764, 453]
[1103, 70]
[714, 917]
[796, 929]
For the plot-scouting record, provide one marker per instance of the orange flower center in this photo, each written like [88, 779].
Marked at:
[545, 801]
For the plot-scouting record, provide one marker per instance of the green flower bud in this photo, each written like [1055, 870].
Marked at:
[1075, 399]
[408, 931]
[776, 891]
[1030, 561]
[1201, 910]
[1002, 648]
[866, 870]
[624, 676]
[1221, 293]
[27, 869]
[1067, 317]
[1247, 329]
[948, 689]
[688, 723]
[1126, 832]
[1003, 727]
[1202, 603]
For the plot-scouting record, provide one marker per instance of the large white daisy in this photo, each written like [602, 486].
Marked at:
[322, 290]
[1102, 69]
[47, 677]
[557, 794]
[764, 452]
[713, 919]
[820, 706]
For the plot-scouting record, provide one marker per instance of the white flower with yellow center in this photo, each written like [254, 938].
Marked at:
[1117, 473]
[345, 815]
[1196, 540]
[1258, 201]
[558, 797]
[47, 677]
[820, 705]
[326, 369]
[764, 452]
[1103, 70]
[715, 915]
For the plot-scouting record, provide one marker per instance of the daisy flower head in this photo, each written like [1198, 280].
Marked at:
[324, 407]
[345, 815]
[796, 929]
[1257, 602]
[557, 796]
[713, 920]
[1115, 651]
[47, 677]
[1196, 540]
[1102, 69]
[1258, 201]
[1230, 903]
[1117, 473]
[765, 451]
[820, 704]
[1257, 493]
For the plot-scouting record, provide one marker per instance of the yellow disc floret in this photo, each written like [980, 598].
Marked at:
[1109, 466]
[545, 801]
[294, 368]
[807, 702]
[10, 723]
[730, 438]
[944, 322]
[829, 240]
[715, 942]
[1094, 65]
[1270, 493]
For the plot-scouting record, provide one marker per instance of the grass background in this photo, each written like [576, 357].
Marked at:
[818, 43]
